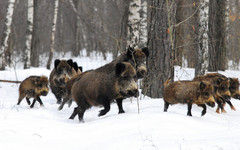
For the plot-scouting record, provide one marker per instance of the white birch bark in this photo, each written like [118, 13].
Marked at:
[143, 24]
[53, 34]
[7, 31]
[27, 56]
[133, 23]
[203, 47]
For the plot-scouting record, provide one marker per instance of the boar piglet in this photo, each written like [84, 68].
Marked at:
[188, 92]
[102, 85]
[33, 87]
[62, 72]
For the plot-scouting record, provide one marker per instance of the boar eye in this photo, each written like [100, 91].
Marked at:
[222, 88]
[40, 85]
[206, 94]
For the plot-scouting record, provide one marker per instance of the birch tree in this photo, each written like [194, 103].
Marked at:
[203, 60]
[143, 24]
[27, 56]
[7, 31]
[133, 23]
[53, 34]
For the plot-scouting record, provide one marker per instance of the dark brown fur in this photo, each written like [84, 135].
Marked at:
[102, 86]
[33, 87]
[221, 88]
[62, 72]
[188, 92]
[233, 88]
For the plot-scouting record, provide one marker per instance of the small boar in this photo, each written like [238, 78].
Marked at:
[221, 88]
[33, 87]
[188, 92]
[233, 88]
[102, 85]
[62, 72]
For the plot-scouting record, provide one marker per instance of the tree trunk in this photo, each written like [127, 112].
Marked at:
[217, 48]
[7, 30]
[35, 39]
[203, 61]
[143, 24]
[161, 38]
[27, 56]
[53, 34]
[133, 23]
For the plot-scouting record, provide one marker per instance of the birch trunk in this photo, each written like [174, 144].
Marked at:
[7, 31]
[133, 23]
[143, 24]
[53, 34]
[27, 56]
[203, 48]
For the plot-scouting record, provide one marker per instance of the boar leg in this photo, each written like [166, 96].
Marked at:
[28, 101]
[70, 103]
[40, 101]
[106, 105]
[189, 113]
[119, 104]
[63, 103]
[166, 104]
[21, 96]
[231, 105]
[74, 113]
[34, 100]
[204, 108]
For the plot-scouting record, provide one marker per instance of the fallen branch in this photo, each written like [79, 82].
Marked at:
[10, 81]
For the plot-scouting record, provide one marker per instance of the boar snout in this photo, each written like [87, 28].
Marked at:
[44, 93]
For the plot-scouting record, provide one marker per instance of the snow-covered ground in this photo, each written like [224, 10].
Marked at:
[43, 128]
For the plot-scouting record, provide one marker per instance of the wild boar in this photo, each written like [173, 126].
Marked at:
[62, 72]
[33, 87]
[137, 57]
[102, 85]
[188, 92]
[221, 89]
[233, 88]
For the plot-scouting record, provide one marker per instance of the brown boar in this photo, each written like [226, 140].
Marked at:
[33, 87]
[102, 85]
[221, 88]
[62, 72]
[188, 92]
[233, 88]
[68, 96]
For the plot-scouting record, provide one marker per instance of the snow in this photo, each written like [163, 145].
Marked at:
[151, 129]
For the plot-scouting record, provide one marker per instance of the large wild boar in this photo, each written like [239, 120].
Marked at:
[62, 72]
[233, 88]
[135, 56]
[102, 85]
[188, 92]
[33, 87]
[221, 88]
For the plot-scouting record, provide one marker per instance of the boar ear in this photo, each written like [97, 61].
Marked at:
[70, 62]
[130, 52]
[80, 68]
[56, 63]
[219, 80]
[145, 50]
[120, 67]
[75, 66]
[202, 85]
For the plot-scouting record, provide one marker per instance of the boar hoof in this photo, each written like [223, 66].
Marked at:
[224, 111]
[233, 108]
[203, 112]
[121, 111]
[102, 112]
[189, 114]
[60, 108]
